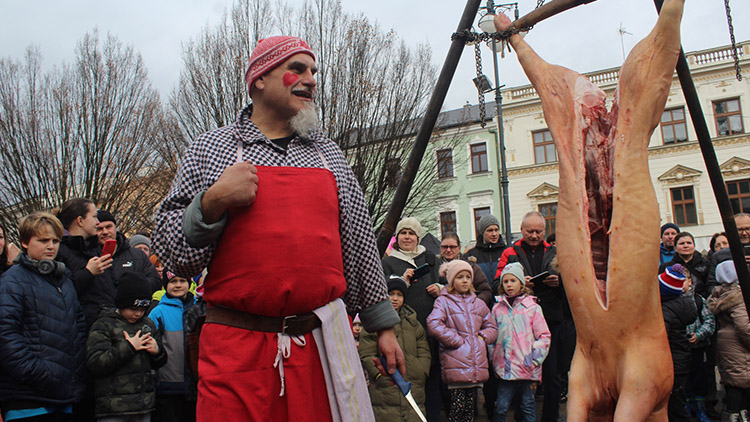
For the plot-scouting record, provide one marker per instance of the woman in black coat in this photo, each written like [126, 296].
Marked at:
[406, 256]
[79, 252]
[685, 255]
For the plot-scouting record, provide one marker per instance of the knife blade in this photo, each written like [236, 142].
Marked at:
[405, 387]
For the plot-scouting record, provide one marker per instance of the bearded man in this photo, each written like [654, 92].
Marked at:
[271, 206]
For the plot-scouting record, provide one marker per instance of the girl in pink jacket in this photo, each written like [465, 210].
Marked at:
[523, 340]
[464, 326]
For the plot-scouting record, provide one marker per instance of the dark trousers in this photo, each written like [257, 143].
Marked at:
[550, 377]
[701, 374]
[463, 404]
[736, 399]
[174, 409]
[676, 407]
[433, 400]
[520, 392]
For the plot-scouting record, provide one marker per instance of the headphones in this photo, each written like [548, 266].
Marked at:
[48, 266]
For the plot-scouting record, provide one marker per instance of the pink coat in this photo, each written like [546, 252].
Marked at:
[523, 339]
[464, 327]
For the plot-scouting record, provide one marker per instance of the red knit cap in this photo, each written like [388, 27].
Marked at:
[271, 52]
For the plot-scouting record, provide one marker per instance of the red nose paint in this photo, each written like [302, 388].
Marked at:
[290, 79]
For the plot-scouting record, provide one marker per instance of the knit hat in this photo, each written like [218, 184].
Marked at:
[726, 272]
[409, 223]
[516, 269]
[271, 52]
[166, 277]
[139, 239]
[450, 269]
[103, 216]
[669, 226]
[671, 281]
[356, 319]
[133, 291]
[486, 221]
[397, 283]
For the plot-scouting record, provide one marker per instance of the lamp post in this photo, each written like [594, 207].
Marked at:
[487, 24]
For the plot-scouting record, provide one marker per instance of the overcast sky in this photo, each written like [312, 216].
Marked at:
[585, 38]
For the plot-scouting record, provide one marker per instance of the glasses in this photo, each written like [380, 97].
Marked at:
[448, 246]
[743, 229]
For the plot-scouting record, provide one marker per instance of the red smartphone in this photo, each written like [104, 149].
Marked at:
[109, 247]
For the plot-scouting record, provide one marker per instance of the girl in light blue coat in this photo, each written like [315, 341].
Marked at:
[523, 341]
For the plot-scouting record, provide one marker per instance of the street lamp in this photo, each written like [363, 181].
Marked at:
[487, 24]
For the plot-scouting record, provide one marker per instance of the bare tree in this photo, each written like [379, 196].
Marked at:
[212, 89]
[83, 130]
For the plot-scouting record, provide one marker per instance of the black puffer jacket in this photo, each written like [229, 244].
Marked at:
[93, 291]
[679, 312]
[123, 384]
[132, 259]
[42, 338]
[698, 267]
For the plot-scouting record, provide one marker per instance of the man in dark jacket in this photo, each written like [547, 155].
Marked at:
[125, 257]
[679, 311]
[536, 256]
[668, 232]
[489, 246]
[42, 329]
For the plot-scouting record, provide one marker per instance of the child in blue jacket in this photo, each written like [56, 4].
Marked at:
[175, 388]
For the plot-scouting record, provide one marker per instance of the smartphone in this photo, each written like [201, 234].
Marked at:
[539, 277]
[747, 250]
[420, 271]
[109, 247]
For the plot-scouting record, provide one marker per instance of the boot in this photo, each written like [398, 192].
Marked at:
[730, 417]
[699, 406]
[744, 415]
[689, 405]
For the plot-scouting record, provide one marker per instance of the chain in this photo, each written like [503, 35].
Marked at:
[480, 94]
[476, 37]
[734, 44]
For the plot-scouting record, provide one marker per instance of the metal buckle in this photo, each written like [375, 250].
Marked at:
[284, 325]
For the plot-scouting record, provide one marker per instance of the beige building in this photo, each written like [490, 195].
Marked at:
[471, 187]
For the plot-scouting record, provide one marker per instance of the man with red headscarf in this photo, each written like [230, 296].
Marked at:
[272, 207]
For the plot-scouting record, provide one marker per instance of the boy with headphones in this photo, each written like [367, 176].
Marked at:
[42, 329]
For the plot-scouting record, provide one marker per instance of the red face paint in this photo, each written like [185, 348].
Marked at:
[290, 79]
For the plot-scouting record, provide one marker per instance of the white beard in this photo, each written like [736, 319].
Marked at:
[306, 121]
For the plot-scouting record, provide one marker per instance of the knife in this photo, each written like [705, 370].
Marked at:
[405, 388]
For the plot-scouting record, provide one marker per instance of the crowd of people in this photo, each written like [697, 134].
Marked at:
[98, 326]
[513, 331]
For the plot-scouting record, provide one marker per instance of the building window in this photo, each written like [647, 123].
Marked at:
[448, 222]
[728, 117]
[478, 214]
[479, 158]
[673, 126]
[549, 211]
[683, 206]
[392, 172]
[445, 163]
[544, 147]
[739, 195]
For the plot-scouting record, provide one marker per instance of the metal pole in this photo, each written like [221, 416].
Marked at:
[713, 169]
[425, 129]
[500, 138]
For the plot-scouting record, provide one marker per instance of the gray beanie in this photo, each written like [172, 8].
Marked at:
[726, 272]
[516, 269]
[139, 239]
[486, 221]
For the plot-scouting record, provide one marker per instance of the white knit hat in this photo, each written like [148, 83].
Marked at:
[516, 269]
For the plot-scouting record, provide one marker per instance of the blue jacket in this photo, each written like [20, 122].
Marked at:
[174, 378]
[42, 338]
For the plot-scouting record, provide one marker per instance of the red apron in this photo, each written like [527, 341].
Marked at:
[281, 256]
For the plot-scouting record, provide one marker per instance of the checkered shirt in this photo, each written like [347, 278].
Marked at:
[206, 159]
